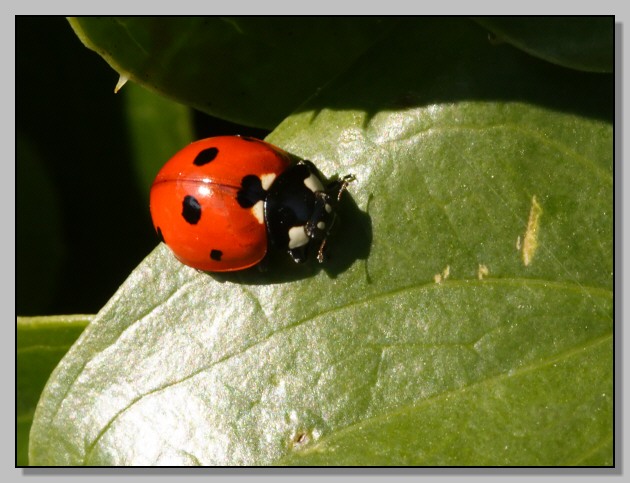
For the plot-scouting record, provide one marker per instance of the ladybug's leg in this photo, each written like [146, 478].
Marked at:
[336, 188]
[321, 222]
[298, 254]
[320, 252]
[322, 217]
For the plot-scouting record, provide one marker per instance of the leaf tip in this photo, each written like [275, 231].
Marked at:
[122, 80]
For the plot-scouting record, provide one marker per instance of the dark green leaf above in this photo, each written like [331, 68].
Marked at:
[582, 43]
[250, 70]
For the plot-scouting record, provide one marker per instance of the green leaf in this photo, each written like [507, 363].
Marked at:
[249, 70]
[508, 403]
[464, 316]
[158, 128]
[41, 343]
[583, 43]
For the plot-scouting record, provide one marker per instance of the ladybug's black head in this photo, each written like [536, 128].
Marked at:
[300, 211]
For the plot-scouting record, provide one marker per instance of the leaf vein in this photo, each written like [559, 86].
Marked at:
[453, 392]
[423, 286]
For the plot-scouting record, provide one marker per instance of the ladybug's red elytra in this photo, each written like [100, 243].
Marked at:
[221, 202]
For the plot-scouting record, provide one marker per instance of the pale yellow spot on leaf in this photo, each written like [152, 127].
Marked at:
[482, 271]
[440, 277]
[530, 240]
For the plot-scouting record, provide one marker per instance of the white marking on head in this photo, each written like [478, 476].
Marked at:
[297, 237]
[266, 180]
[321, 225]
[328, 208]
[313, 183]
[258, 211]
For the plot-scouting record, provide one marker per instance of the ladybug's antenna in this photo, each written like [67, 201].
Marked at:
[345, 181]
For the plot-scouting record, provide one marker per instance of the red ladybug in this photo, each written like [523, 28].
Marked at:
[220, 202]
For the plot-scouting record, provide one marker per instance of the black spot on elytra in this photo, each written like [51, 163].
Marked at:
[251, 191]
[159, 234]
[216, 255]
[191, 210]
[206, 156]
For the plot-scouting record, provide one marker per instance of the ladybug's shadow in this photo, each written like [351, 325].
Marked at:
[350, 240]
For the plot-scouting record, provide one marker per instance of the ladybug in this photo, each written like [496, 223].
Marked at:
[220, 204]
